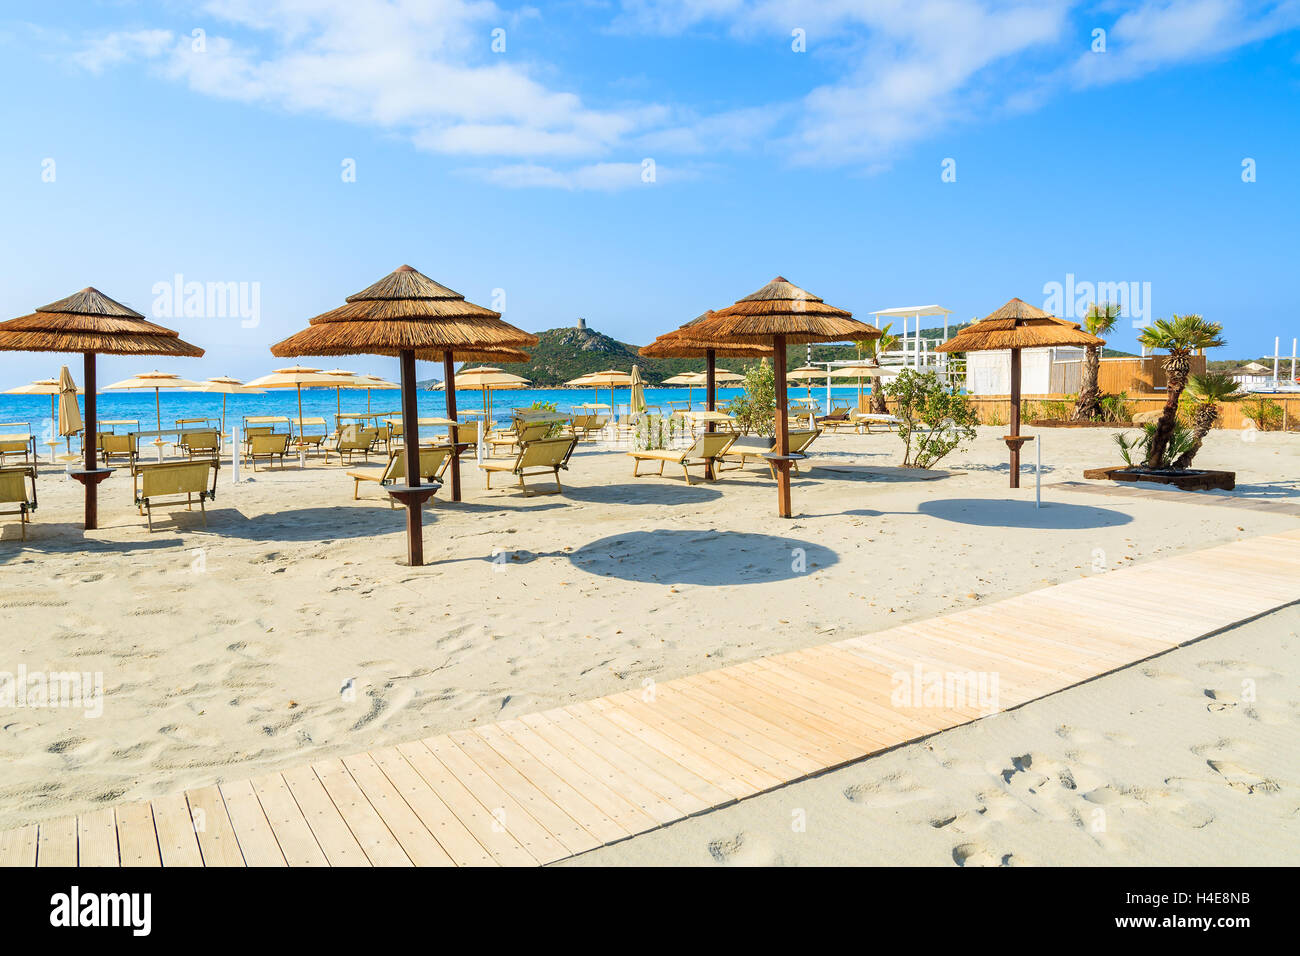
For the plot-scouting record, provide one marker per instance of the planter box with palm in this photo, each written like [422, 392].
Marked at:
[1180, 335]
[1100, 320]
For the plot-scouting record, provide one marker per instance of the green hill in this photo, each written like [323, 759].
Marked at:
[565, 354]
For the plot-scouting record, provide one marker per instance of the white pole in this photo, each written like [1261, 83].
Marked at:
[1293, 344]
[1277, 344]
[1038, 473]
[234, 454]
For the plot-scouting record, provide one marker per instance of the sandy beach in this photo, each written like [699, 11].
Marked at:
[290, 629]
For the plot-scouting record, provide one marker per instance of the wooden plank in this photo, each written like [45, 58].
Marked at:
[376, 840]
[253, 831]
[18, 847]
[178, 844]
[97, 838]
[56, 842]
[508, 812]
[331, 831]
[611, 804]
[476, 818]
[217, 841]
[415, 839]
[550, 815]
[293, 834]
[137, 840]
[437, 817]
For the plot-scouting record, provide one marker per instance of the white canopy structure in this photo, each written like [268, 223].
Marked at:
[916, 313]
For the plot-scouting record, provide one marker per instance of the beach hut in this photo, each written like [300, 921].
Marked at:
[408, 315]
[776, 316]
[90, 322]
[1017, 325]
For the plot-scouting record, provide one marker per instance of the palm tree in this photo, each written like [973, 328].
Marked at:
[871, 350]
[1207, 392]
[1099, 321]
[1180, 335]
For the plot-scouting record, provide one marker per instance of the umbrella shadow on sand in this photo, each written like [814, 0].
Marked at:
[993, 513]
[675, 492]
[706, 558]
[67, 537]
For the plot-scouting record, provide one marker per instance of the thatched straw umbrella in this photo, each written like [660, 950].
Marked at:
[408, 315]
[778, 315]
[90, 322]
[680, 343]
[1017, 325]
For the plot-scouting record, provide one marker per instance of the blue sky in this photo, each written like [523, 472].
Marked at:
[219, 156]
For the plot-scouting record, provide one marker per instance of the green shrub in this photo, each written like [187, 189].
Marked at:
[936, 420]
[755, 410]
[1264, 412]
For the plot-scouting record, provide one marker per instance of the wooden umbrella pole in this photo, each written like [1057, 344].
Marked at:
[1015, 418]
[157, 407]
[411, 445]
[449, 382]
[710, 398]
[90, 438]
[782, 448]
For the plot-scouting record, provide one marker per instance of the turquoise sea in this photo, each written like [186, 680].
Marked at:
[137, 405]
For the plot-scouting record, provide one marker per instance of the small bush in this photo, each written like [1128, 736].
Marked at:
[936, 420]
[1264, 412]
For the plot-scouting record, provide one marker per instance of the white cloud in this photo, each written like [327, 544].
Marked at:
[903, 71]
[121, 47]
[605, 177]
[1160, 33]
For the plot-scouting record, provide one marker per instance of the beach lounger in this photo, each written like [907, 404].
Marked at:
[865, 421]
[527, 432]
[353, 440]
[311, 434]
[536, 457]
[268, 445]
[707, 451]
[13, 491]
[433, 461]
[17, 445]
[117, 446]
[585, 426]
[170, 479]
[200, 443]
[755, 448]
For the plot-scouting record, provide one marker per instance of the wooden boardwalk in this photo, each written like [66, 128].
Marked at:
[550, 785]
[1282, 505]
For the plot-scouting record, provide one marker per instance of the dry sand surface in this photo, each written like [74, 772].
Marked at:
[225, 652]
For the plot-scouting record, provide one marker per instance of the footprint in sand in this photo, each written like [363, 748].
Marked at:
[1239, 778]
[976, 854]
[894, 790]
[743, 849]
[1220, 701]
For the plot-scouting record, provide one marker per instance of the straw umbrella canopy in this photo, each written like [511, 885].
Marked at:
[776, 316]
[1017, 325]
[408, 315]
[806, 374]
[680, 344]
[157, 381]
[225, 385]
[375, 382]
[90, 322]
